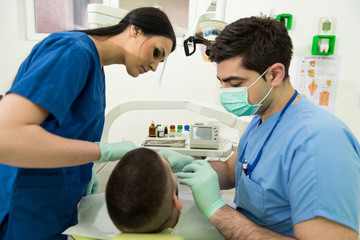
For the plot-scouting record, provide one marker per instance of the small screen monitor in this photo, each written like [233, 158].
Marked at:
[202, 133]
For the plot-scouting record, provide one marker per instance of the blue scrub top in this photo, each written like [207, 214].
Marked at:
[62, 74]
[309, 167]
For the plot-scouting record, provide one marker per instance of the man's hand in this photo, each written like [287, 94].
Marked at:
[204, 183]
[114, 151]
[177, 160]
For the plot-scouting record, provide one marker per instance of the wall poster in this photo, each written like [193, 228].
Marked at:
[317, 78]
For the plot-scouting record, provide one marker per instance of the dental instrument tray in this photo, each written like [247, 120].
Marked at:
[164, 142]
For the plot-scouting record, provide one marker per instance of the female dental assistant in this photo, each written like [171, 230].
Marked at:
[54, 113]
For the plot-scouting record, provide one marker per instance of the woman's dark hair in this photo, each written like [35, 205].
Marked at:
[152, 22]
[259, 41]
[139, 192]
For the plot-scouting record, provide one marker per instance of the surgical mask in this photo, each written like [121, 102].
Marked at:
[235, 100]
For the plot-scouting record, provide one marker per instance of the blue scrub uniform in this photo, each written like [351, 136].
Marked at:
[309, 167]
[63, 75]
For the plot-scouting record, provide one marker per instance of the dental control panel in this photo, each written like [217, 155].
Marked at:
[204, 136]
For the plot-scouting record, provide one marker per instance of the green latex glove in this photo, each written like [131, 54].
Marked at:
[114, 151]
[93, 186]
[204, 183]
[177, 160]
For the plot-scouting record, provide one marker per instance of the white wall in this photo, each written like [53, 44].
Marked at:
[190, 77]
[13, 46]
[306, 16]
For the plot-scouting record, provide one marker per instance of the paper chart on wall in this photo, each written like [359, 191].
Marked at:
[317, 78]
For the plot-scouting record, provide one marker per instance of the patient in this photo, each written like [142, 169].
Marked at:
[131, 206]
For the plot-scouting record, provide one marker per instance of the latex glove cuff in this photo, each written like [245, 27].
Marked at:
[106, 152]
[213, 208]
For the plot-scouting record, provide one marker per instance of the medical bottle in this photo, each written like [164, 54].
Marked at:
[187, 128]
[156, 130]
[152, 129]
[186, 132]
[166, 133]
[160, 131]
[172, 131]
[179, 130]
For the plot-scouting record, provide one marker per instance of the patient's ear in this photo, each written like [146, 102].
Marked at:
[177, 203]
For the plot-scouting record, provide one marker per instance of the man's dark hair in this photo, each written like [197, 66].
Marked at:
[259, 41]
[139, 192]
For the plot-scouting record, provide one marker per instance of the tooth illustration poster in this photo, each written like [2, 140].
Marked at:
[317, 78]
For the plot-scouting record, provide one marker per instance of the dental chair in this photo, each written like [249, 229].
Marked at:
[138, 236]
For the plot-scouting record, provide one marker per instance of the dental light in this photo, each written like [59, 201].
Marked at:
[206, 28]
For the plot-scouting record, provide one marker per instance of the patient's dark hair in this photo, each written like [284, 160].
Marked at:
[139, 192]
[259, 41]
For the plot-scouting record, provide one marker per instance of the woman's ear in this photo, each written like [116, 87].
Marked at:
[135, 31]
[276, 74]
[177, 203]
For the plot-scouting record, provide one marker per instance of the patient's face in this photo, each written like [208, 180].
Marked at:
[176, 203]
[167, 164]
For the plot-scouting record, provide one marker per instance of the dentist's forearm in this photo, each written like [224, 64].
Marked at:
[225, 171]
[235, 226]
